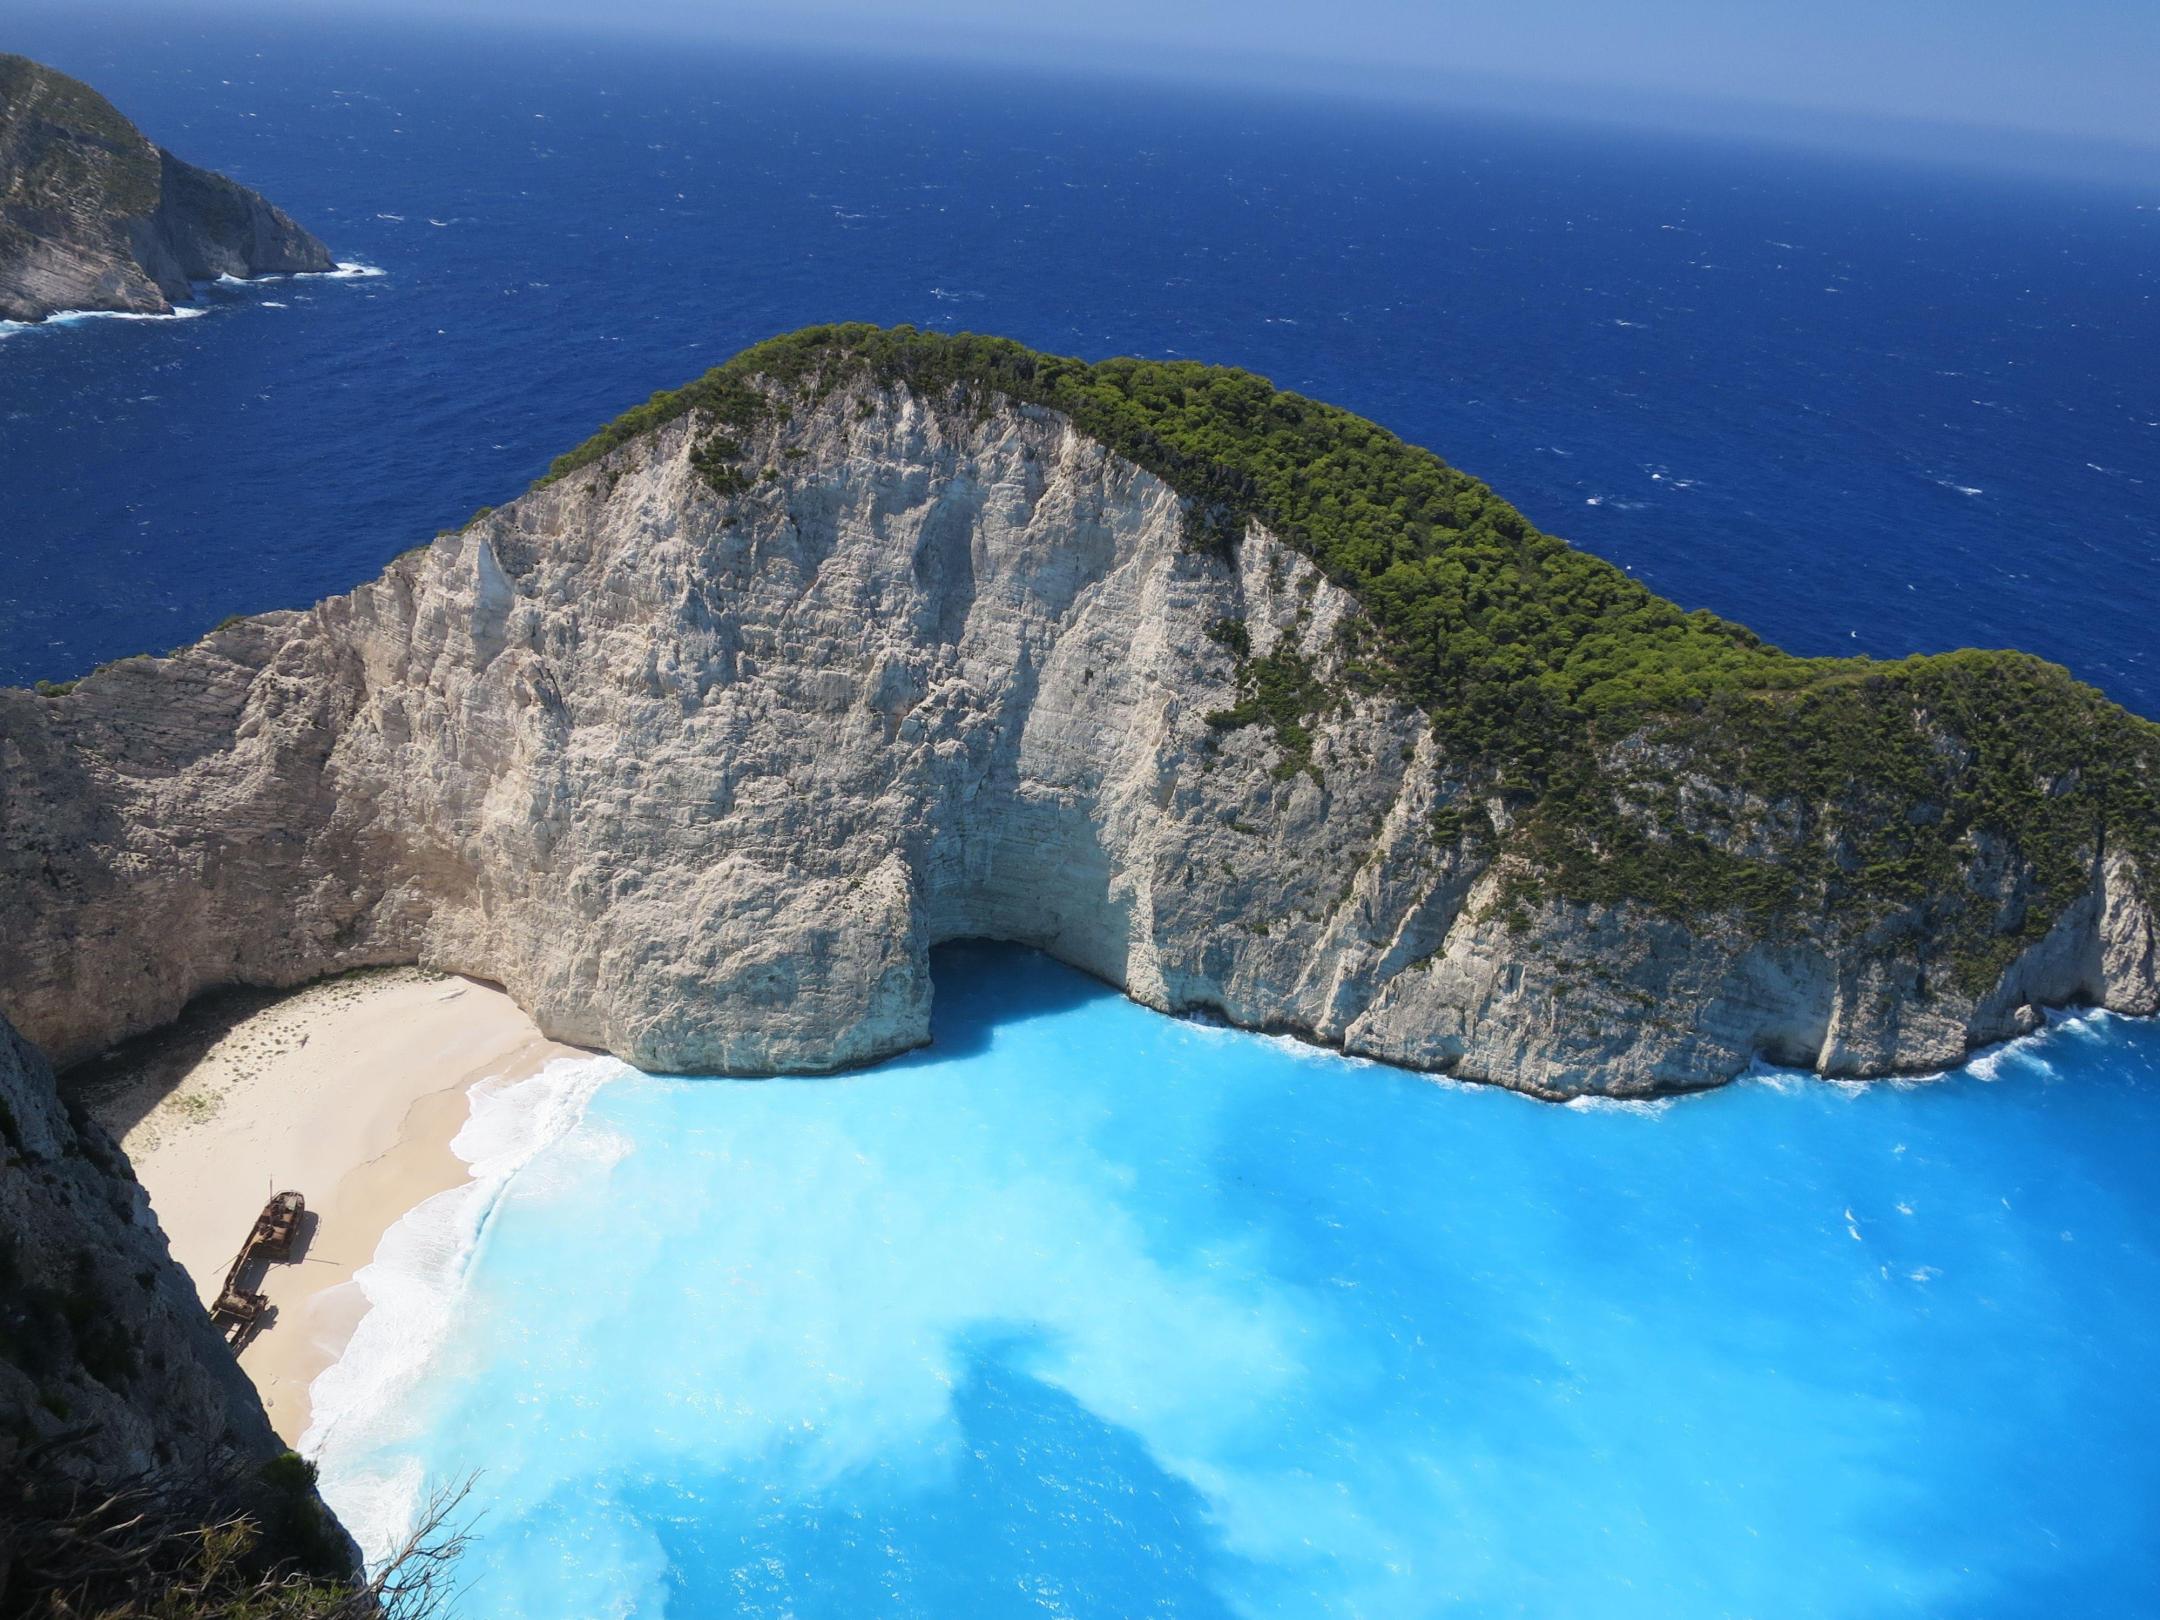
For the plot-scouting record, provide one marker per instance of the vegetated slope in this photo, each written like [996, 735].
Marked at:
[93, 216]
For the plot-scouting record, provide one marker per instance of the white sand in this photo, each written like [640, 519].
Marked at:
[349, 1092]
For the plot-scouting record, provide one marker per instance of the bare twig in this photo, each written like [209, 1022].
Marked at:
[146, 1549]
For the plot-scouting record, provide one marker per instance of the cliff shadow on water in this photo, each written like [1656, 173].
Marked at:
[980, 985]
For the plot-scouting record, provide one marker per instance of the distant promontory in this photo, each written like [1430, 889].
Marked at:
[94, 216]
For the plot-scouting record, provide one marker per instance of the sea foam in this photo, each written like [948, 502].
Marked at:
[71, 317]
[413, 1288]
[353, 271]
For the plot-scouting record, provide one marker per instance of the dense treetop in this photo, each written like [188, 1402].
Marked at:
[1492, 624]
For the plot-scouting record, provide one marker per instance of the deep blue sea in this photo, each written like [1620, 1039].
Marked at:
[1878, 411]
[1087, 1312]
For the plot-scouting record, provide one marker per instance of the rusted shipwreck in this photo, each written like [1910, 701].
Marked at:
[239, 1308]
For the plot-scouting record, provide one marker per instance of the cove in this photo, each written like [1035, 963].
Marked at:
[1087, 1311]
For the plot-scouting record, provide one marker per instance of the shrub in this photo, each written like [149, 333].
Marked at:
[146, 1549]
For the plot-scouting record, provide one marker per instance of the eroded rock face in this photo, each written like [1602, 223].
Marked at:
[701, 778]
[95, 217]
[108, 1367]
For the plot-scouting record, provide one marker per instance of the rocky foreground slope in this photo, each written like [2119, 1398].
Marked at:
[138, 1473]
[108, 1367]
[872, 640]
[93, 216]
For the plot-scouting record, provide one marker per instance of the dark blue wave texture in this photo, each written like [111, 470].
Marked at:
[1861, 409]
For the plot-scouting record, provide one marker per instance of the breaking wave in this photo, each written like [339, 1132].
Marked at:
[413, 1287]
[70, 317]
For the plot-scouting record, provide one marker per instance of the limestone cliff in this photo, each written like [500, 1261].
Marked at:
[95, 217]
[699, 747]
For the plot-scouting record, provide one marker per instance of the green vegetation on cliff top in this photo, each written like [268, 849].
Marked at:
[1640, 742]
[67, 148]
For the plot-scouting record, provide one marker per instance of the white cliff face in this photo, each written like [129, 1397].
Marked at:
[701, 779]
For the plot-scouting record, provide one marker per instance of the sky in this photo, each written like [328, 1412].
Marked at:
[2081, 70]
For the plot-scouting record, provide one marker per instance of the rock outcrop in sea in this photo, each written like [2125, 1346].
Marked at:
[699, 747]
[93, 216]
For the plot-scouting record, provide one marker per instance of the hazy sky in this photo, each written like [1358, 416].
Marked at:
[2066, 89]
[2086, 68]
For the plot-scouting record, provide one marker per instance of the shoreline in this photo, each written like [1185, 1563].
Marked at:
[349, 1091]
[340, 270]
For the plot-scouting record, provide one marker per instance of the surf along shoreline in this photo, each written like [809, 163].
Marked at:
[348, 1091]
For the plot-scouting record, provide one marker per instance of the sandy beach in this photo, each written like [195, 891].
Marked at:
[348, 1091]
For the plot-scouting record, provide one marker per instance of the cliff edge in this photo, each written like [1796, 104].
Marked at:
[93, 216]
[874, 639]
[108, 1367]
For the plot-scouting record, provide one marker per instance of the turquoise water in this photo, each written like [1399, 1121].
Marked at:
[1087, 1311]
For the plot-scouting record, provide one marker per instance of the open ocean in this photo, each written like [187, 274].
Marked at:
[1085, 1311]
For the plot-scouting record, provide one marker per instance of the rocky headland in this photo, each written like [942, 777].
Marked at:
[94, 216]
[869, 640]
[874, 639]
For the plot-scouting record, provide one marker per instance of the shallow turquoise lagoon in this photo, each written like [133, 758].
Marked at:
[1086, 1311]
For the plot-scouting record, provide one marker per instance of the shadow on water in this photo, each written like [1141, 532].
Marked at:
[961, 1529]
[980, 985]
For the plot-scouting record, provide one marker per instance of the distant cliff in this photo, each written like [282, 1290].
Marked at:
[95, 217]
[871, 640]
